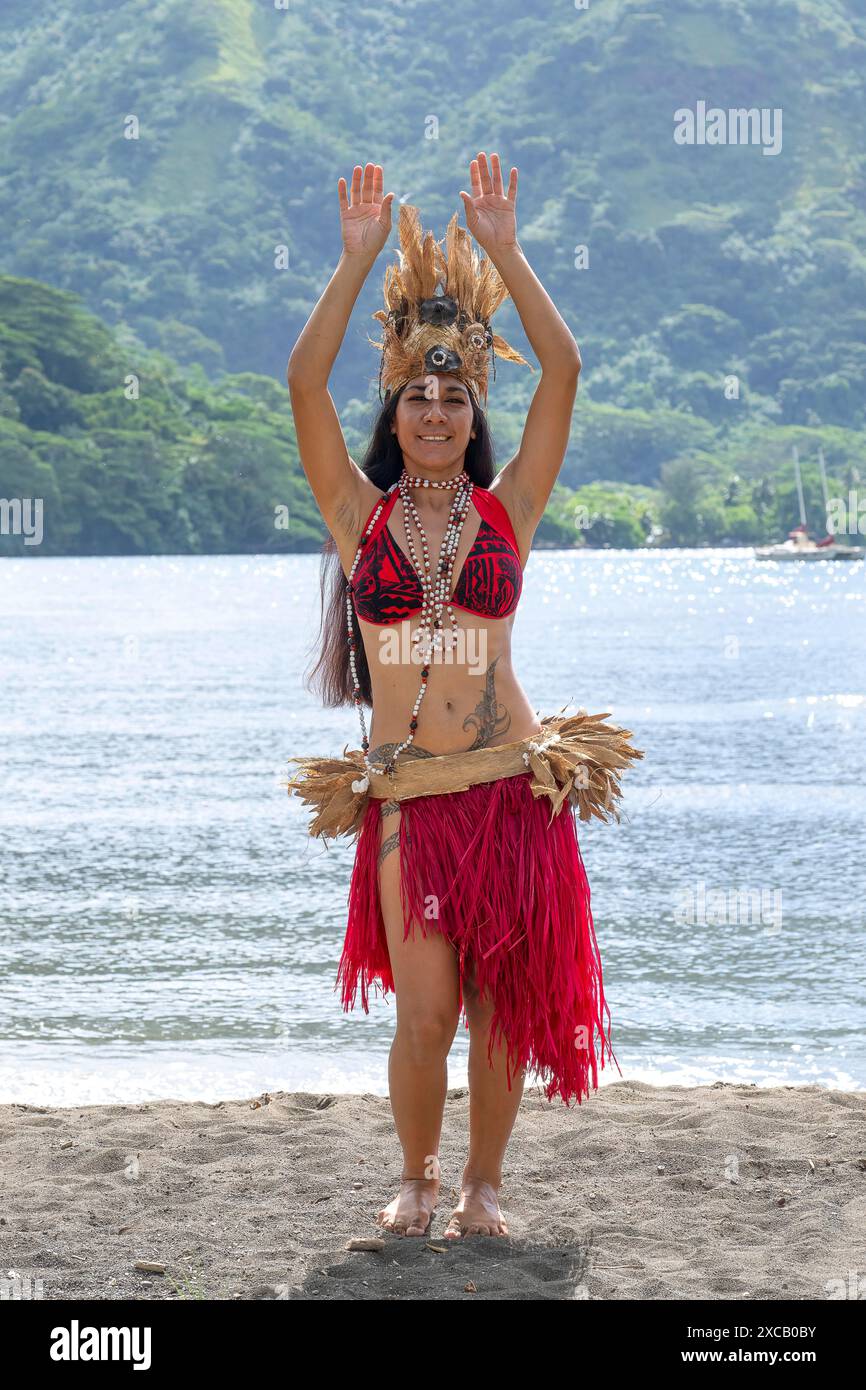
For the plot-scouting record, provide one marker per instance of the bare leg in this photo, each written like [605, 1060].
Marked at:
[492, 1112]
[426, 982]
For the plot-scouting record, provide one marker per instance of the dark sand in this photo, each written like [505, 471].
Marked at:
[630, 1196]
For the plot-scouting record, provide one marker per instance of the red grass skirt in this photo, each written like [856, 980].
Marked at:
[514, 902]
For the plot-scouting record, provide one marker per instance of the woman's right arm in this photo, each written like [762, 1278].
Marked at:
[341, 490]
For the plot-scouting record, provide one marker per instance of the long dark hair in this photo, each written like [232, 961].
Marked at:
[331, 676]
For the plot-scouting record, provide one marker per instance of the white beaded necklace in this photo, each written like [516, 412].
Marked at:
[436, 593]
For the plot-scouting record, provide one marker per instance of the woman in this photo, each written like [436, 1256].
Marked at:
[467, 891]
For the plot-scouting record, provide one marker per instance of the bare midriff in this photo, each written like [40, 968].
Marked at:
[473, 700]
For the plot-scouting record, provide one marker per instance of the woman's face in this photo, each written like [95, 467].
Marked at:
[433, 424]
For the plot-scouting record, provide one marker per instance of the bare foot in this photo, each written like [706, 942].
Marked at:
[477, 1213]
[412, 1209]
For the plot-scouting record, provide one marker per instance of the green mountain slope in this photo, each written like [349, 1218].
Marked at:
[210, 235]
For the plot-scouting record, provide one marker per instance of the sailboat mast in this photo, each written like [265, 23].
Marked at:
[799, 486]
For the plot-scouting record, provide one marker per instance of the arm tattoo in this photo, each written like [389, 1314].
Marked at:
[490, 717]
[348, 519]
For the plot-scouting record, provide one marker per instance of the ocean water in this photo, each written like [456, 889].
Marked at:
[169, 929]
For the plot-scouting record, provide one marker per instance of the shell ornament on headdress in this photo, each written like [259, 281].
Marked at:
[438, 309]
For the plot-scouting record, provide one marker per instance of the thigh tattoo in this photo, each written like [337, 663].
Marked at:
[391, 842]
[388, 845]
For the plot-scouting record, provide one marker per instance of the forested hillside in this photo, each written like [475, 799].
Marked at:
[131, 456]
[681, 268]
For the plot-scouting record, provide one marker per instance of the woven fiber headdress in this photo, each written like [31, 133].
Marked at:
[438, 309]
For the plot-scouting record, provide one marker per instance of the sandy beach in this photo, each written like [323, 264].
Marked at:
[718, 1192]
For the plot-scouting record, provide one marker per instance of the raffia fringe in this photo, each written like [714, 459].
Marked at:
[577, 757]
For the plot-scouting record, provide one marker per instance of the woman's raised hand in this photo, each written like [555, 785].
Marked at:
[490, 211]
[365, 221]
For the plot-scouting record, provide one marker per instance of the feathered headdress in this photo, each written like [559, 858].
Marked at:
[438, 309]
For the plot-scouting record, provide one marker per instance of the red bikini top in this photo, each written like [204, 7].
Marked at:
[387, 588]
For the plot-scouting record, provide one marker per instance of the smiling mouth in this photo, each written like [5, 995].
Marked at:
[435, 438]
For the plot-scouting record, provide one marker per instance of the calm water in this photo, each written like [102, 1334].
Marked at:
[167, 928]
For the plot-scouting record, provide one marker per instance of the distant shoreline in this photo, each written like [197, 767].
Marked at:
[33, 552]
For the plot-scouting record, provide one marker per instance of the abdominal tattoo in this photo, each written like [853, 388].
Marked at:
[489, 718]
[385, 752]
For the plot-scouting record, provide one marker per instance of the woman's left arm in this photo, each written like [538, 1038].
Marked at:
[525, 483]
